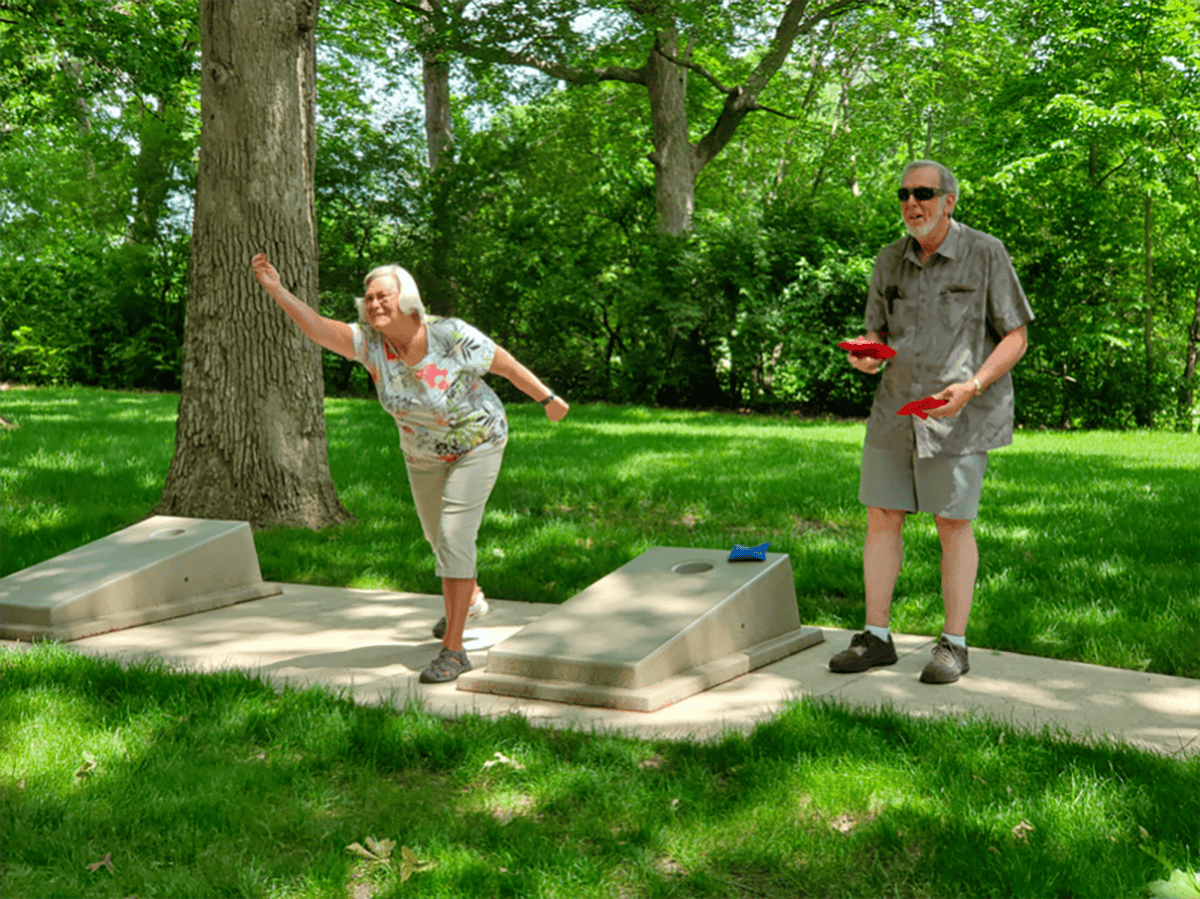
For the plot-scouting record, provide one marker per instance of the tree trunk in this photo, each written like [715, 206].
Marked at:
[674, 156]
[250, 439]
[1186, 396]
[1148, 300]
[436, 288]
[152, 183]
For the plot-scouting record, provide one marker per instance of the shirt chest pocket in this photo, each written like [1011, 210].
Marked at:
[957, 293]
[956, 308]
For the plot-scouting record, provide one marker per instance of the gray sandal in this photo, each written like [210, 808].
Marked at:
[477, 610]
[446, 667]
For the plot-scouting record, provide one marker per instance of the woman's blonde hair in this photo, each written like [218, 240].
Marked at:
[410, 296]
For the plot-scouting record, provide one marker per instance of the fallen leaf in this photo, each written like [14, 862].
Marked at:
[847, 823]
[410, 864]
[380, 851]
[1021, 830]
[502, 759]
[1182, 885]
[105, 862]
[381, 848]
[88, 766]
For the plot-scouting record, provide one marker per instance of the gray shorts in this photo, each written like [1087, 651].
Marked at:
[949, 487]
[450, 498]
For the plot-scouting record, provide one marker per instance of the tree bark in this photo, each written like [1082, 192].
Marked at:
[1186, 396]
[439, 136]
[250, 438]
[1148, 299]
[676, 163]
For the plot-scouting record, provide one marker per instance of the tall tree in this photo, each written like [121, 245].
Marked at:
[439, 135]
[655, 48]
[250, 439]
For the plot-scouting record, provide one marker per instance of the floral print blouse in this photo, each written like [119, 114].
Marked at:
[442, 405]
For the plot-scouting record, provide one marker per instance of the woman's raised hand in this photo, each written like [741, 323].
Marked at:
[265, 272]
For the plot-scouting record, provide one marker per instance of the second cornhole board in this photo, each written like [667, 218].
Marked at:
[666, 625]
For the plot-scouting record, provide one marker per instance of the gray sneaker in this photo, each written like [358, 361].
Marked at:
[478, 609]
[866, 651]
[948, 664]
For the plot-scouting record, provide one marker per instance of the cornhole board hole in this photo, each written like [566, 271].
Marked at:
[162, 567]
[666, 625]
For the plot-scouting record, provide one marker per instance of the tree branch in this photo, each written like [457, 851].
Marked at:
[743, 99]
[758, 107]
[698, 69]
[561, 71]
[1115, 168]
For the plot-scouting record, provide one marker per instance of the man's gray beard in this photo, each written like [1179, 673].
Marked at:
[922, 231]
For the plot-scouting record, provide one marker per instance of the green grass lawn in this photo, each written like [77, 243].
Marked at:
[215, 785]
[218, 786]
[1087, 541]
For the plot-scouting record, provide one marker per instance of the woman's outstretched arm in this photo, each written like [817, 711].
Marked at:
[333, 335]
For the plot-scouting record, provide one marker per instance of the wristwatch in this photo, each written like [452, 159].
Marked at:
[979, 388]
[548, 400]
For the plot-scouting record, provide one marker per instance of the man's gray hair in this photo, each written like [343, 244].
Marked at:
[946, 180]
[410, 296]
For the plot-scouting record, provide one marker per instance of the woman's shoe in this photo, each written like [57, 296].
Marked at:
[446, 667]
[478, 609]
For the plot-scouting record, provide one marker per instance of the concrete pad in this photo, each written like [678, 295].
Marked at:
[1151, 711]
[666, 625]
[159, 568]
[373, 644]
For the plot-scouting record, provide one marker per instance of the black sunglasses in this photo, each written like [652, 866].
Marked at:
[919, 193]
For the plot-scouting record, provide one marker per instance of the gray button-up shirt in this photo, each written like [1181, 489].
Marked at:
[943, 319]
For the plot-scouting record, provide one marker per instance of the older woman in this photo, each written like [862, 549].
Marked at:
[428, 375]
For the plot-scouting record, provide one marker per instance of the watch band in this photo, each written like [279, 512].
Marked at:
[548, 400]
[979, 388]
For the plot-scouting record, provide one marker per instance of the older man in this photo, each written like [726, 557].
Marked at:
[947, 300]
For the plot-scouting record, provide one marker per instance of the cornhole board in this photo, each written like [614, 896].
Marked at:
[666, 625]
[162, 567]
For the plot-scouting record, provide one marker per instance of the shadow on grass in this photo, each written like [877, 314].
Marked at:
[1085, 539]
[1088, 550]
[216, 785]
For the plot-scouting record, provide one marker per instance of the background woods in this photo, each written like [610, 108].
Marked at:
[522, 159]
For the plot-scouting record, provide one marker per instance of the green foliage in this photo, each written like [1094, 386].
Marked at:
[98, 127]
[1074, 130]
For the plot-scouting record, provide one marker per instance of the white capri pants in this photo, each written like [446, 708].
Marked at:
[450, 498]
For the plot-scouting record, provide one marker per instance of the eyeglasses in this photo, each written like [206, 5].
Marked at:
[919, 193]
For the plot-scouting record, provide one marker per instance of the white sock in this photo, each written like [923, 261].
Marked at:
[957, 641]
[883, 633]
